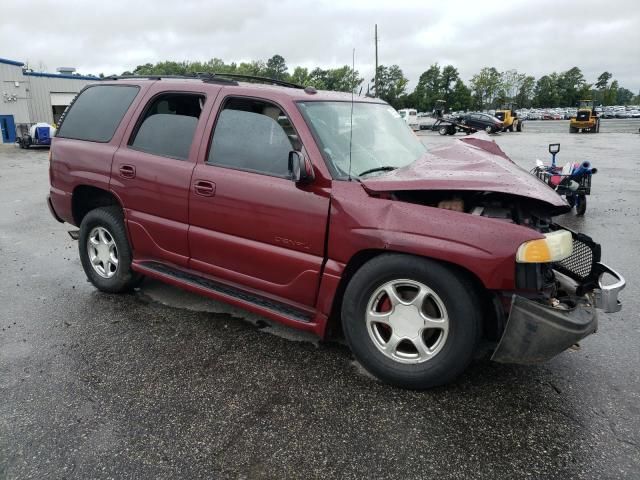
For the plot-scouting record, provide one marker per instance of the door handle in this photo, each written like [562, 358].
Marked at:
[127, 171]
[204, 188]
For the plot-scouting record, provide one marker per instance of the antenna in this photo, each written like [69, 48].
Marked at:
[353, 81]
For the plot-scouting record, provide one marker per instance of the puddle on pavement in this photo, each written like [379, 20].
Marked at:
[176, 298]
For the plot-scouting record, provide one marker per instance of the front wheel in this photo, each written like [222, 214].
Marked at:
[488, 129]
[411, 322]
[105, 252]
[443, 130]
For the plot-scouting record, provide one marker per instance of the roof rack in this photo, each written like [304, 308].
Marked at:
[259, 79]
[211, 77]
[205, 77]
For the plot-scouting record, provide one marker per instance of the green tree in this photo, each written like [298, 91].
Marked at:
[611, 94]
[448, 79]
[546, 91]
[624, 96]
[570, 85]
[256, 68]
[391, 84]
[485, 86]
[460, 98]
[300, 76]
[524, 96]
[276, 68]
[603, 80]
[428, 89]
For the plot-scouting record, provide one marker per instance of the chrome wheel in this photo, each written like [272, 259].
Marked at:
[407, 321]
[488, 129]
[102, 251]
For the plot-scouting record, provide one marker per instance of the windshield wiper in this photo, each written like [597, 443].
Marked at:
[377, 169]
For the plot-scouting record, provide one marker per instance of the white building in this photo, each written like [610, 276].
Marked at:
[28, 97]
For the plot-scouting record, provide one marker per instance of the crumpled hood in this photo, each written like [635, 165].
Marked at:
[471, 163]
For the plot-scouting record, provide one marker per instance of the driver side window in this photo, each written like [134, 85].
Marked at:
[253, 135]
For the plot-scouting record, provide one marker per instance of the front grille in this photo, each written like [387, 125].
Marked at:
[580, 264]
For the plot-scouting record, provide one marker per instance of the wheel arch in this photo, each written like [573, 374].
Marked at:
[87, 197]
[492, 316]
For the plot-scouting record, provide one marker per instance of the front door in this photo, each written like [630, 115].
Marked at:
[8, 128]
[249, 223]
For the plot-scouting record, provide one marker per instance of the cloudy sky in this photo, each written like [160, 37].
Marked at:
[535, 37]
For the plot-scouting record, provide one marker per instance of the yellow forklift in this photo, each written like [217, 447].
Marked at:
[586, 119]
[509, 118]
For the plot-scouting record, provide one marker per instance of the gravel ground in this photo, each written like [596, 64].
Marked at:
[163, 384]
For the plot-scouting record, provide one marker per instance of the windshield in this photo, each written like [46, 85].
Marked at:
[380, 138]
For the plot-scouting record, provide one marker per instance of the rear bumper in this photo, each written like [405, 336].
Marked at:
[536, 332]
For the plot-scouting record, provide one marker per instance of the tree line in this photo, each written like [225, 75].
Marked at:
[487, 89]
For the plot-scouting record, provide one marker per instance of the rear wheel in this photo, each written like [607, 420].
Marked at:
[519, 127]
[410, 321]
[105, 252]
[488, 129]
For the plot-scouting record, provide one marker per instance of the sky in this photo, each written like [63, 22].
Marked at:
[533, 37]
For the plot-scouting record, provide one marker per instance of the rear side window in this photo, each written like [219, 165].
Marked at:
[168, 125]
[97, 112]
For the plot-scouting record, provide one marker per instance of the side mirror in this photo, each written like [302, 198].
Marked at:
[554, 148]
[300, 168]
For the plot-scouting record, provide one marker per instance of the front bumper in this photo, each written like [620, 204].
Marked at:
[536, 332]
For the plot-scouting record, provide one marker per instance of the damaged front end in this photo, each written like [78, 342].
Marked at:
[555, 301]
[564, 310]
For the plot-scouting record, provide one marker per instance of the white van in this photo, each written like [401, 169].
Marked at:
[410, 115]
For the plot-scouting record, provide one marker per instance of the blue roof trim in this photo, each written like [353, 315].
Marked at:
[11, 62]
[59, 75]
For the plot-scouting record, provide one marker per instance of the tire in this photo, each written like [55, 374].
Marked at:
[452, 301]
[519, 127]
[511, 128]
[489, 129]
[443, 130]
[597, 126]
[581, 204]
[112, 273]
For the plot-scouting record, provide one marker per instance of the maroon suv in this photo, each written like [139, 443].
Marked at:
[324, 213]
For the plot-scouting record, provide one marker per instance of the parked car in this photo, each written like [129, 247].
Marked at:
[258, 195]
[481, 121]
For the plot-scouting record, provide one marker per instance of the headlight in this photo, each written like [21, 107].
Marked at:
[554, 247]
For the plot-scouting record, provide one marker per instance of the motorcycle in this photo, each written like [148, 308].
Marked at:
[573, 181]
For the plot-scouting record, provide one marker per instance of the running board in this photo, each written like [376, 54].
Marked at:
[229, 291]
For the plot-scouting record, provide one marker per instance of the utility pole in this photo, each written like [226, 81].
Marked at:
[376, 75]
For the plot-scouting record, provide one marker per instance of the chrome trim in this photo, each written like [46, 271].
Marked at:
[606, 296]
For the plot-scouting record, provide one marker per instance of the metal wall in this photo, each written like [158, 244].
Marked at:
[28, 96]
[40, 89]
[13, 99]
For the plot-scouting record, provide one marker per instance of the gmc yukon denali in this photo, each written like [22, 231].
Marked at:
[325, 213]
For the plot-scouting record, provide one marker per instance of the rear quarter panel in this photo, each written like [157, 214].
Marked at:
[79, 162]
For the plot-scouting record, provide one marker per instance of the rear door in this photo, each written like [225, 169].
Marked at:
[151, 171]
[249, 223]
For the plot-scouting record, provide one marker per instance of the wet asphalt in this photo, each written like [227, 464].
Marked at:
[164, 384]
